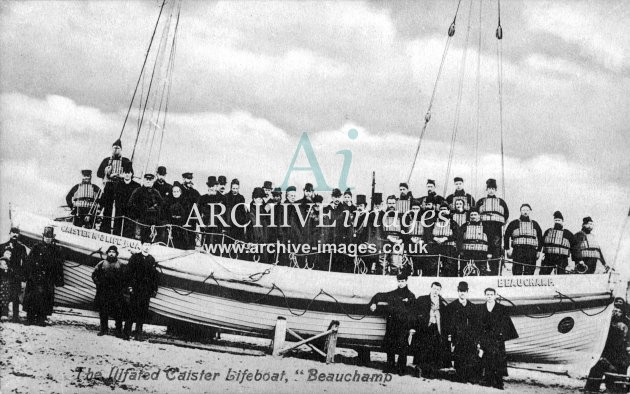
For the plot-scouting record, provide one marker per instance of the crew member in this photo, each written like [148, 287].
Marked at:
[210, 207]
[109, 276]
[557, 243]
[460, 195]
[222, 186]
[415, 236]
[189, 193]
[392, 228]
[160, 183]
[495, 328]
[586, 250]
[527, 241]
[122, 224]
[404, 201]
[459, 214]
[461, 329]
[82, 199]
[258, 226]
[444, 243]
[474, 245]
[236, 213]
[397, 305]
[143, 279]
[43, 272]
[145, 205]
[110, 171]
[494, 214]
[430, 346]
[15, 269]
[431, 194]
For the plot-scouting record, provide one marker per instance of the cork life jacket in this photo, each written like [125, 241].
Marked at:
[556, 243]
[443, 229]
[391, 223]
[525, 234]
[474, 238]
[459, 218]
[403, 206]
[588, 248]
[492, 211]
[116, 165]
[85, 196]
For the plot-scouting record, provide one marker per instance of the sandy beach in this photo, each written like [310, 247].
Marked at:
[68, 356]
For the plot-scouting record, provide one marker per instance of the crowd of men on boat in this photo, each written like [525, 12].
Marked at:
[123, 291]
[470, 337]
[458, 234]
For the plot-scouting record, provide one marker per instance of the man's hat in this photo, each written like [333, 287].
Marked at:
[318, 199]
[212, 181]
[308, 187]
[444, 204]
[462, 286]
[414, 203]
[526, 205]
[222, 180]
[377, 198]
[127, 167]
[336, 192]
[430, 182]
[491, 184]
[267, 185]
[235, 182]
[149, 177]
[473, 209]
[458, 179]
[277, 191]
[187, 175]
[258, 193]
[291, 189]
[161, 170]
[403, 184]
[14, 230]
[49, 232]
[361, 199]
[586, 220]
[86, 172]
[117, 143]
[402, 275]
[558, 215]
[348, 191]
[114, 248]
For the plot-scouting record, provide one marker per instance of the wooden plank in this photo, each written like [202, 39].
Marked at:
[290, 331]
[331, 342]
[279, 336]
[214, 348]
[296, 344]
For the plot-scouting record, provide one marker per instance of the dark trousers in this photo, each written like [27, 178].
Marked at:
[466, 361]
[495, 236]
[104, 314]
[83, 218]
[591, 264]
[527, 257]
[138, 311]
[15, 287]
[551, 261]
[594, 380]
[400, 364]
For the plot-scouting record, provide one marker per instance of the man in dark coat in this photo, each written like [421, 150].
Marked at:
[145, 206]
[143, 279]
[586, 251]
[15, 272]
[460, 195]
[431, 194]
[109, 276]
[236, 212]
[431, 351]
[160, 183]
[495, 328]
[527, 242]
[210, 206]
[174, 213]
[43, 272]
[494, 214]
[222, 186]
[461, 328]
[82, 198]
[189, 193]
[110, 171]
[257, 232]
[122, 224]
[557, 243]
[397, 305]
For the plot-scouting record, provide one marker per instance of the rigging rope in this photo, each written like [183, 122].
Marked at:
[146, 57]
[478, 91]
[499, 35]
[427, 117]
[459, 103]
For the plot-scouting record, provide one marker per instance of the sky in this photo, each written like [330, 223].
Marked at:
[251, 78]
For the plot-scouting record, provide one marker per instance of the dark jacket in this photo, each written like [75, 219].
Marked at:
[145, 205]
[18, 259]
[111, 282]
[495, 328]
[397, 307]
[43, 271]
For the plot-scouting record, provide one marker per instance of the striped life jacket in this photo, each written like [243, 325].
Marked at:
[492, 211]
[475, 239]
[588, 248]
[416, 229]
[459, 218]
[555, 243]
[116, 168]
[525, 234]
[403, 206]
[443, 229]
[84, 196]
[391, 224]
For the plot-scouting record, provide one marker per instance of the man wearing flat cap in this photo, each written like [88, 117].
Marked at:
[211, 204]
[15, 269]
[110, 279]
[160, 183]
[444, 243]
[397, 306]
[110, 171]
[235, 210]
[586, 249]
[461, 330]
[82, 200]
[494, 214]
[189, 193]
[527, 242]
[125, 188]
[460, 195]
[432, 196]
[145, 205]
[557, 243]
[43, 272]
[474, 248]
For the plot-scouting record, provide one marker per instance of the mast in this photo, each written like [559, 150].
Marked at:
[373, 188]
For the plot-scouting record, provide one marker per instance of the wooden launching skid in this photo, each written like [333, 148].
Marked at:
[281, 331]
[620, 382]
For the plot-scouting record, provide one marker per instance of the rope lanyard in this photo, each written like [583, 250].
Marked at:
[499, 35]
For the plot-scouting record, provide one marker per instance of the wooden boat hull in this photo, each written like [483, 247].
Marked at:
[560, 319]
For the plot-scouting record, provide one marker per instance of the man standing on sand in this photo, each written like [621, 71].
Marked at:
[15, 269]
[109, 278]
[461, 330]
[143, 279]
